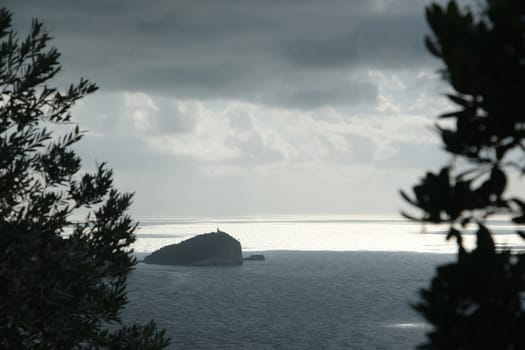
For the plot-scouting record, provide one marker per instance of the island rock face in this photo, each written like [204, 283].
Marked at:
[214, 248]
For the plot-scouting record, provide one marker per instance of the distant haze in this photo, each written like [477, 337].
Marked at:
[252, 107]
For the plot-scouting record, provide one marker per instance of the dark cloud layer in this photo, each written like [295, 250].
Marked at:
[386, 41]
[301, 54]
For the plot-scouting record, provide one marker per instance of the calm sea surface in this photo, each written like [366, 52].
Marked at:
[327, 283]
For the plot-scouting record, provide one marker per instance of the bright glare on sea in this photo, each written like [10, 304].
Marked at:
[315, 233]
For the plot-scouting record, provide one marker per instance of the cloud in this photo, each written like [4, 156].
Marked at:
[208, 140]
[384, 40]
[140, 108]
[235, 106]
[303, 54]
[251, 134]
[262, 158]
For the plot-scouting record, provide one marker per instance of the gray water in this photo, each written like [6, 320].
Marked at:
[293, 300]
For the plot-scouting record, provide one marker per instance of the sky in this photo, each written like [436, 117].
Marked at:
[245, 107]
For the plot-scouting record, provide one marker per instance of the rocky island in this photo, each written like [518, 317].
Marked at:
[255, 257]
[214, 248]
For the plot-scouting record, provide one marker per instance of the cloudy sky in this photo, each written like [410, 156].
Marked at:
[239, 107]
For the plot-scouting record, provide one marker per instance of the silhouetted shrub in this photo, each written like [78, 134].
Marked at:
[476, 302]
[62, 283]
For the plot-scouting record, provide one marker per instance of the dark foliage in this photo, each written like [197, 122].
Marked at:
[62, 283]
[476, 302]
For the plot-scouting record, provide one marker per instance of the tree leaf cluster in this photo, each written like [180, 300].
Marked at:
[462, 198]
[476, 302]
[63, 281]
[483, 57]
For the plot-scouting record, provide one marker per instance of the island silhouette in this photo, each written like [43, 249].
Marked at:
[213, 248]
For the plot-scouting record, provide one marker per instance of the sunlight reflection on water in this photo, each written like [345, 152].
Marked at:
[408, 325]
[314, 233]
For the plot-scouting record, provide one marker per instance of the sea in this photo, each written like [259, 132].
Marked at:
[328, 282]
